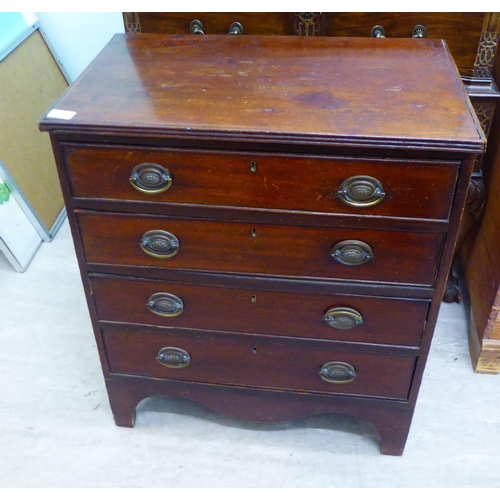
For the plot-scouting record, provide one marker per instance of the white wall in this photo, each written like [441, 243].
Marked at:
[77, 37]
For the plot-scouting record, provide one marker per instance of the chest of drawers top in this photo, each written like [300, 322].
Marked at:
[332, 91]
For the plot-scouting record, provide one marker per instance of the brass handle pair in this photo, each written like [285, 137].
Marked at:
[358, 191]
[419, 31]
[169, 305]
[164, 245]
[334, 372]
[196, 28]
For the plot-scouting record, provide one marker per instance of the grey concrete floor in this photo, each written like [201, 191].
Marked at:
[58, 431]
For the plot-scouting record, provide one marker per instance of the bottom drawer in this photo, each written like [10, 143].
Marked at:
[257, 361]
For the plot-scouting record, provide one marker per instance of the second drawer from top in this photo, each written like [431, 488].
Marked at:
[363, 255]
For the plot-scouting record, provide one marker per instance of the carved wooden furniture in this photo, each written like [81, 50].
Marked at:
[279, 261]
[482, 259]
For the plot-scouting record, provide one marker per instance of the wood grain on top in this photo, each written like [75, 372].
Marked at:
[403, 92]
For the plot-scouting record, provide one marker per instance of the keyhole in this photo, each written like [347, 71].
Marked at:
[254, 350]
[253, 297]
[254, 232]
[253, 166]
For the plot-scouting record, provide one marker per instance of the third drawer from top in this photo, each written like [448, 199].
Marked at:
[332, 316]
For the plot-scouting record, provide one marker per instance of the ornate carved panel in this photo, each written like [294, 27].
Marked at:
[307, 24]
[486, 54]
[131, 22]
[476, 196]
[485, 111]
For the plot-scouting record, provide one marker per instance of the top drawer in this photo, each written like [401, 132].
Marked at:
[383, 187]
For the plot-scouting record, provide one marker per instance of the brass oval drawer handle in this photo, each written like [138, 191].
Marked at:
[165, 304]
[159, 244]
[337, 372]
[196, 27]
[150, 178]
[378, 31]
[235, 29]
[419, 31]
[352, 253]
[361, 191]
[343, 318]
[173, 357]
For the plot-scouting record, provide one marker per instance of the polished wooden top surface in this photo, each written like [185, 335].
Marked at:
[360, 91]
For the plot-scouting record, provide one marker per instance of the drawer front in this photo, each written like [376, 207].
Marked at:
[218, 23]
[409, 188]
[202, 307]
[284, 251]
[254, 361]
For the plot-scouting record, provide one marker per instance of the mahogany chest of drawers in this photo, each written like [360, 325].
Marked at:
[258, 229]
